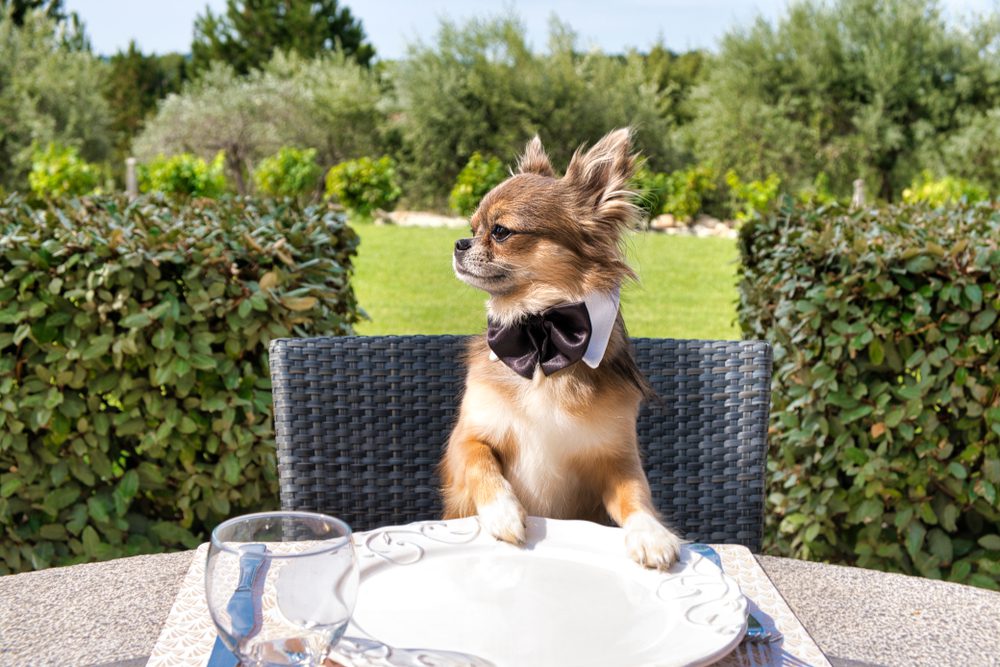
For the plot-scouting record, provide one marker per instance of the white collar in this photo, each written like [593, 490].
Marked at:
[602, 308]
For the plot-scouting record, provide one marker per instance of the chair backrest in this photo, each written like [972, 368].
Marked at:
[361, 423]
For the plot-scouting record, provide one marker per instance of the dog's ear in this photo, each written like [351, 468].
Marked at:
[534, 160]
[600, 178]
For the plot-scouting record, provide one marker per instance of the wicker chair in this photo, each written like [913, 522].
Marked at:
[361, 423]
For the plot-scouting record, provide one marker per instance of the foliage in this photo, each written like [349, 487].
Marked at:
[652, 189]
[681, 193]
[135, 83]
[18, 9]
[852, 88]
[947, 190]
[885, 425]
[754, 197]
[330, 104]
[72, 33]
[676, 75]
[49, 92]
[477, 177]
[819, 193]
[184, 175]
[972, 151]
[136, 399]
[291, 172]
[687, 189]
[479, 87]
[250, 32]
[58, 171]
[364, 185]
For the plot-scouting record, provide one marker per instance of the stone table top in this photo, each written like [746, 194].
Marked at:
[111, 613]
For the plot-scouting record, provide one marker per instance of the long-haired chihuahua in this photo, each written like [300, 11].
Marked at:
[547, 421]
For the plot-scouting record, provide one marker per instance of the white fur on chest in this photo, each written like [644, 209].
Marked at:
[549, 442]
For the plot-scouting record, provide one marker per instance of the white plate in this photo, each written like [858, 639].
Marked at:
[571, 596]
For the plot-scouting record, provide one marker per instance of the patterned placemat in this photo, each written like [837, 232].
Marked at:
[187, 638]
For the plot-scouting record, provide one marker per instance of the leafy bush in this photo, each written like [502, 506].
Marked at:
[291, 172]
[947, 190]
[50, 91]
[885, 422]
[59, 171]
[134, 385]
[332, 104]
[652, 189]
[479, 86]
[817, 194]
[364, 185]
[810, 92]
[753, 197]
[477, 177]
[185, 175]
[687, 189]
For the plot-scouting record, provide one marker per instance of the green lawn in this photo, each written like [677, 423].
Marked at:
[404, 282]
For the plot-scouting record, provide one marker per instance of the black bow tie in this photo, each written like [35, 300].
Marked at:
[554, 338]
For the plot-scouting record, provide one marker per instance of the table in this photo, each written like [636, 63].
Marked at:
[111, 613]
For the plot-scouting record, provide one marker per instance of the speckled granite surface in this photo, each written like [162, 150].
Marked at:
[91, 614]
[112, 613]
[860, 616]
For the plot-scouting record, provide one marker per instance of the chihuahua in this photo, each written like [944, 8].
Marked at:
[547, 420]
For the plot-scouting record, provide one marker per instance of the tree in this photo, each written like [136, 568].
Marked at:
[330, 104]
[675, 74]
[18, 9]
[49, 92]
[134, 85]
[480, 87]
[248, 34]
[73, 36]
[850, 88]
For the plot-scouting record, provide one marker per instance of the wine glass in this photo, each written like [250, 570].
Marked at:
[281, 586]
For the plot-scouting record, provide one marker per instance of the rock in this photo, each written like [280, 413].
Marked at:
[424, 219]
[664, 222]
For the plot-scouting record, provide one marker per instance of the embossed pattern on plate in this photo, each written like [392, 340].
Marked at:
[570, 596]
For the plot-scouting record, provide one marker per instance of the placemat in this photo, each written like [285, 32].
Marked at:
[189, 634]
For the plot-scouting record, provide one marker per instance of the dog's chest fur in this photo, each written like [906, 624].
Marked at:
[548, 432]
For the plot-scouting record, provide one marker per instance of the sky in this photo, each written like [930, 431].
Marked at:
[613, 26]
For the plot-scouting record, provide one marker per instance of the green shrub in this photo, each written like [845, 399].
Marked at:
[134, 387]
[329, 103]
[291, 172]
[947, 190]
[59, 171]
[652, 189]
[754, 197]
[364, 186]
[477, 177]
[184, 175]
[817, 194]
[885, 419]
[687, 189]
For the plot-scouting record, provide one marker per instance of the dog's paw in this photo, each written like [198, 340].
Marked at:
[649, 542]
[504, 518]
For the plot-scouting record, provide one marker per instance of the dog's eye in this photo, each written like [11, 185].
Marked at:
[500, 233]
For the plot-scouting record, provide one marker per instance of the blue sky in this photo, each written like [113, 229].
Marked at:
[161, 26]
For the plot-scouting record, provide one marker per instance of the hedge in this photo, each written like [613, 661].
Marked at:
[886, 392]
[134, 386]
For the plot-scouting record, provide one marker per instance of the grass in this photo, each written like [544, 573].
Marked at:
[404, 281]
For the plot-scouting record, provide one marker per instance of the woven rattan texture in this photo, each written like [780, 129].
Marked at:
[361, 423]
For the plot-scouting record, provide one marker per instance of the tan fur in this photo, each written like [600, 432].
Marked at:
[562, 446]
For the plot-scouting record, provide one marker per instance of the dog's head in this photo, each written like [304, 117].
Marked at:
[539, 240]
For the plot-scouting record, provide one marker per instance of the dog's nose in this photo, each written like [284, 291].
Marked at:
[462, 245]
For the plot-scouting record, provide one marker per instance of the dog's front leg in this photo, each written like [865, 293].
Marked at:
[474, 484]
[628, 502]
